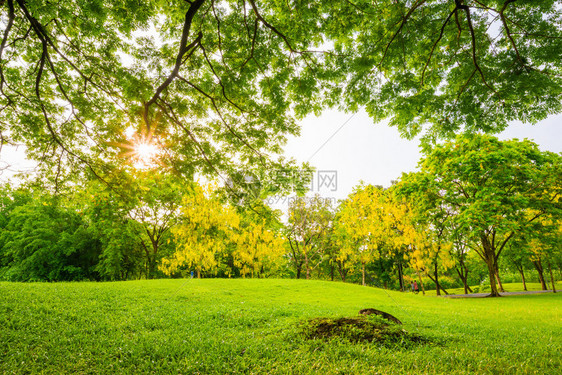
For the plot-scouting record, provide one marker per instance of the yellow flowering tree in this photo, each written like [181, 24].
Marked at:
[256, 248]
[205, 231]
[210, 230]
[310, 221]
[372, 223]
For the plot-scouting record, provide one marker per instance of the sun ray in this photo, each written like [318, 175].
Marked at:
[141, 150]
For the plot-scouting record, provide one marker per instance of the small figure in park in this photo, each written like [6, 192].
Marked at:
[415, 284]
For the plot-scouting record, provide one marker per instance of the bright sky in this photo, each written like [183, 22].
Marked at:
[375, 153]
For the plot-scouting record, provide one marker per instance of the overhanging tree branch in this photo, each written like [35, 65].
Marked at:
[184, 49]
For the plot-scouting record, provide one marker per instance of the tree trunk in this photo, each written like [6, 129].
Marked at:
[363, 273]
[299, 267]
[151, 269]
[342, 271]
[551, 276]
[421, 282]
[499, 282]
[522, 273]
[538, 267]
[198, 273]
[497, 273]
[490, 260]
[436, 281]
[332, 271]
[151, 258]
[492, 275]
[463, 274]
[438, 286]
[400, 276]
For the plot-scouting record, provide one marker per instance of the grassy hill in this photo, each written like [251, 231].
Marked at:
[256, 326]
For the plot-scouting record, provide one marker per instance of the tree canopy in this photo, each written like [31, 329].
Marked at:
[219, 83]
[447, 66]
[213, 82]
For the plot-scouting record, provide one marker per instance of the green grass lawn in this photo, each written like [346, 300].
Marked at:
[255, 326]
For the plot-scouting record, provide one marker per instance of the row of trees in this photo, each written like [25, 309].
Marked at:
[124, 230]
[476, 205]
[475, 197]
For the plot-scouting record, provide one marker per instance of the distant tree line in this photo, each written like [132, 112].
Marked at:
[476, 208]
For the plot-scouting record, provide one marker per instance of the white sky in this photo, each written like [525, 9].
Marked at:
[12, 161]
[376, 154]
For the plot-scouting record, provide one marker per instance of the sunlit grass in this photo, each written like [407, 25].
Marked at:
[252, 326]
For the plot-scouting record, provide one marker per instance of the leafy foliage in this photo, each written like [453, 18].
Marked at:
[210, 232]
[490, 190]
[372, 224]
[219, 83]
[203, 234]
[212, 81]
[440, 67]
[43, 240]
[310, 220]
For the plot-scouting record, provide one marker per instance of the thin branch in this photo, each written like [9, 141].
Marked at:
[405, 18]
[269, 26]
[508, 33]
[11, 17]
[219, 113]
[223, 89]
[183, 49]
[171, 115]
[461, 91]
[192, 47]
[219, 34]
[435, 44]
[253, 45]
[473, 36]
